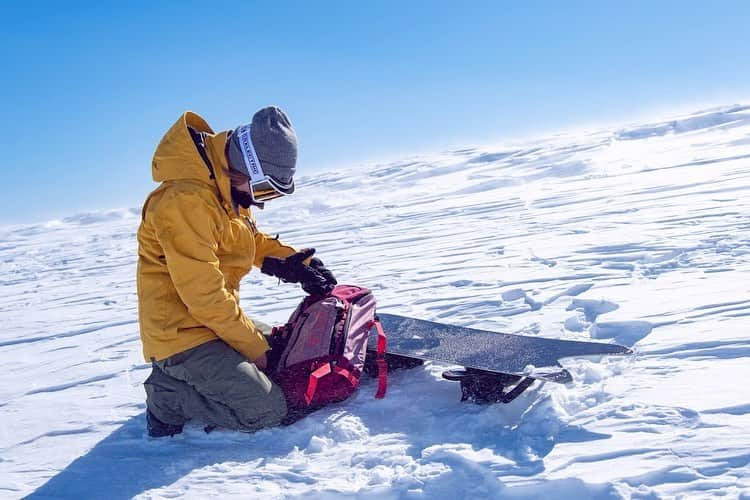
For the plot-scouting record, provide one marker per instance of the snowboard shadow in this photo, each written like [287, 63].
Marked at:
[127, 462]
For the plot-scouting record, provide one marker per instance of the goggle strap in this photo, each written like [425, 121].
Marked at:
[249, 156]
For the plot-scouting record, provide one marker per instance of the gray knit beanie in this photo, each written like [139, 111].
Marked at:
[275, 143]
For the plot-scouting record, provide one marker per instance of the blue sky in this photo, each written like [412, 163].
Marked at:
[89, 87]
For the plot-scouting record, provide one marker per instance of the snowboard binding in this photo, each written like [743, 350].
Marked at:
[477, 386]
[483, 387]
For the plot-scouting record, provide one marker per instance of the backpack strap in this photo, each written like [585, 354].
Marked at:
[326, 368]
[347, 374]
[380, 359]
[322, 371]
[312, 383]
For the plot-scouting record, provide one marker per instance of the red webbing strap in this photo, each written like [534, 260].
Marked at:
[312, 384]
[382, 365]
[349, 376]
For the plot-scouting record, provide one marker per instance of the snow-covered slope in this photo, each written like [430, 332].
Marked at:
[637, 235]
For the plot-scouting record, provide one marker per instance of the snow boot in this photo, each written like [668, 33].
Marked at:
[157, 428]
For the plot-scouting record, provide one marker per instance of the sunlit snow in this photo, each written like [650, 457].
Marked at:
[638, 235]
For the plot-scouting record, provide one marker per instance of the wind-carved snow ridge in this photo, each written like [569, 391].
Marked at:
[637, 235]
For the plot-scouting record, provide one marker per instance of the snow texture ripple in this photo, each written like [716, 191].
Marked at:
[638, 235]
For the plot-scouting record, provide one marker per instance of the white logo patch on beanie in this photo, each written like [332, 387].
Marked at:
[249, 156]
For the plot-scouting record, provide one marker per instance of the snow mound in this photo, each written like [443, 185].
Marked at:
[103, 216]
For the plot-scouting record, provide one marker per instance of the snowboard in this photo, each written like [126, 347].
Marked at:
[492, 361]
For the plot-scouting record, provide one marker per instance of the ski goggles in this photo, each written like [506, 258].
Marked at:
[263, 187]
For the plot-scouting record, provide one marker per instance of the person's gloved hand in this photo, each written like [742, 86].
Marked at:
[290, 269]
[293, 270]
[330, 279]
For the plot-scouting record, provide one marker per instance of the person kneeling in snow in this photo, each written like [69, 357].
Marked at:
[196, 241]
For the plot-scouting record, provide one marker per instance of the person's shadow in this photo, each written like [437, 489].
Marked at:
[127, 463]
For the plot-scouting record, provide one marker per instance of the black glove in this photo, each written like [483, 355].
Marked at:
[330, 279]
[293, 270]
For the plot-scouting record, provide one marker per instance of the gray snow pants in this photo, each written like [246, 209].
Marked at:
[216, 385]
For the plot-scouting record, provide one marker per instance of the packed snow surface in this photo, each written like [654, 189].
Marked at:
[637, 235]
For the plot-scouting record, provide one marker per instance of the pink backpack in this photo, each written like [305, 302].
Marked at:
[323, 348]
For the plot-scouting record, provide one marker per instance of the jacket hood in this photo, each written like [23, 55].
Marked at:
[177, 157]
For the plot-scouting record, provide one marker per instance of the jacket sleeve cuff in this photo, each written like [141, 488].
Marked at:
[254, 348]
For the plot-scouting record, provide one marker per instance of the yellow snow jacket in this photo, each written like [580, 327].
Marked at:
[194, 248]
